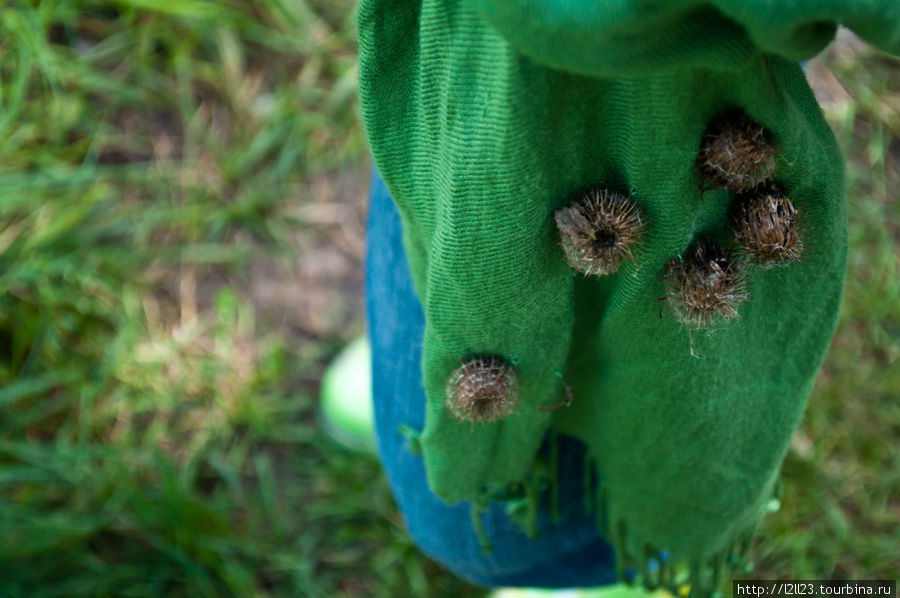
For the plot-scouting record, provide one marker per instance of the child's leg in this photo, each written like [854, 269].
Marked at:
[567, 554]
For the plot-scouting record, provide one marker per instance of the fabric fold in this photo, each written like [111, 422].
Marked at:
[617, 38]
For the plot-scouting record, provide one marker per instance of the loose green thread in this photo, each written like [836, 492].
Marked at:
[554, 477]
[412, 437]
[532, 489]
[478, 525]
[587, 485]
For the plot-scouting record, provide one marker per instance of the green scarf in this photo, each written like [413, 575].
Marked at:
[485, 118]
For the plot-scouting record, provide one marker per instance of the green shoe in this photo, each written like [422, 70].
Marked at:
[618, 590]
[345, 412]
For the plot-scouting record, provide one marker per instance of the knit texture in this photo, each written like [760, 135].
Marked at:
[487, 116]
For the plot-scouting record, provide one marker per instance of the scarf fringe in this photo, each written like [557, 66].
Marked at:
[655, 568]
[658, 568]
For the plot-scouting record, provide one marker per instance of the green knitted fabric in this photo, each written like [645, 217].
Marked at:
[487, 116]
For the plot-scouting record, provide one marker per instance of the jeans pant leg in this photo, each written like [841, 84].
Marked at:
[568, 553]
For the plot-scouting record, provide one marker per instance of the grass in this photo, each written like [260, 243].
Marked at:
[181, 216]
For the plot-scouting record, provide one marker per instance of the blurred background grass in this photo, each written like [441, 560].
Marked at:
[182, 198]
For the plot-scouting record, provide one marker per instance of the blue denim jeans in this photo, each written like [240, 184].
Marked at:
[567, 553]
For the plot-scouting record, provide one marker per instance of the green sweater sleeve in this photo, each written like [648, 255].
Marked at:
[488, 119]
[627, 37]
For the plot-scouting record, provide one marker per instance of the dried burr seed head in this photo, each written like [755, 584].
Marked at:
[707, 285]
[599, 231]
[735, 154]
[767, 226]
[482, 389]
